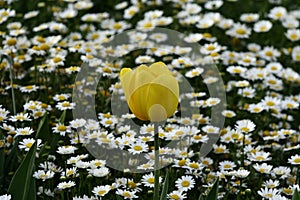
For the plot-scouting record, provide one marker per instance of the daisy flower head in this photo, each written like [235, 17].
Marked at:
[126, 194]
[148, 180]
[65, 105]
[138, 147]
[277, 13]
[262, 26]
[29, 88]
[294, 160]
[268, 193]
[66, 150]
[65, 185]
[5, 197]
[293, 34]
[101, 190]
[24, 131]
[27, 143]
[185, 183]
[239, 31]
[177, 195]
[249, 17]
[245, 126]
[269, 53]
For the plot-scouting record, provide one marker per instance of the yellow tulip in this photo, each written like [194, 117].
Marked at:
[151, 93]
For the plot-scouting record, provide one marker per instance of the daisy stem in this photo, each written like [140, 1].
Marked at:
[156, 163]
[10, 63]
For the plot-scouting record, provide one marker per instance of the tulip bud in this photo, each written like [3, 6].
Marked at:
[151, 93]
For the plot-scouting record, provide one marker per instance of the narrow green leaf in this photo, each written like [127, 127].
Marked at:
[213, 193]
[296, 195]
[22, 182]
[164, 192]
[201, 197]
[63, 117]
[43, 129]
[118, 197]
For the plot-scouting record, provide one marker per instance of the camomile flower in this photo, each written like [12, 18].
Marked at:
[271, 183]
[194, 72]
[293, 34]
[43, 174]
[101, 190]
[255, 108]
[277, 13]
[249, 17]
[193, 37]
[27, 143]
[126, 194]
[262, 26]
[66, 150]
[263, 168]
[148, 180]
[269, 53]
[259, 156]
[138, 147]
[268, 193]
[61, 129]
[144, 59]
[281, 172]
[294, 160]
[192, 8]
[274, 67]
[290, 22]
[176, 195]
[29, 88]
[61, 97]
[31, 14]
[24, 131]
[226, 165]
[146, 25]
[296, 53]
[130, 12]
[239, 31]
[289, 104]
[245, 125]
[270, 102]
[242, 173]
[236, 69]
[185, 183]
[211, 129]
[99, 172]
[65, 105]
[220, 149]
[66, 185]
[83, 5]
[247, 92]
[205, 23]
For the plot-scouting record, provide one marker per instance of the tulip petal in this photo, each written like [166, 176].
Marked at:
[126, 77]
[159, 68]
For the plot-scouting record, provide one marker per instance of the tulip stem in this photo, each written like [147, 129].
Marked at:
[156, 163]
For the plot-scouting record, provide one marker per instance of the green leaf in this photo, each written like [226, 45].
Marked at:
[296, 195]
[164, 192]
[2, 161]
[118, 197]
[213, 193]
[22, 183]
[201, 197]
[43, 129]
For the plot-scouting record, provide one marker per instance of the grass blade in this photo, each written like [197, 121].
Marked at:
[213, 193]
[22, 182]
[296, 195]
[165, 188]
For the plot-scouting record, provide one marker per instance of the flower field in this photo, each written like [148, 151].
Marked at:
[149, 99]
